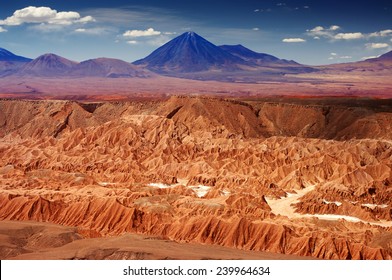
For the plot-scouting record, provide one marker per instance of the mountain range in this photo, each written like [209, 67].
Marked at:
[186, 56]
[51, 65]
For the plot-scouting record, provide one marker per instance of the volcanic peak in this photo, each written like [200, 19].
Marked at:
[6, 55]
[189, 52]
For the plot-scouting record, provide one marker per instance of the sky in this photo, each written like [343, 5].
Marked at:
[309, 32]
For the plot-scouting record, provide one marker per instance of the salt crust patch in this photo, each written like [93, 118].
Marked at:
[373, 206]
[104, 184]
[199, 190]
[337, 203]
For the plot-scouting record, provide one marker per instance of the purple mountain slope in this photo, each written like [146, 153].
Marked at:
[10, 63]
[47, 65]
[189, 53]
[386, 57]
[261, 59]
[10, 57]
[108, 67]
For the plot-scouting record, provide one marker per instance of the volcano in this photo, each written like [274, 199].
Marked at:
[48, 65]
[10, 63]
[189, 53]
[10, 57]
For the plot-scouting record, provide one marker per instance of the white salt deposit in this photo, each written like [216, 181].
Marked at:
[104, 184]
[160, 185]
[225, 192]
[332, 217]
[373, 206]
[337, 203]
[200, 190]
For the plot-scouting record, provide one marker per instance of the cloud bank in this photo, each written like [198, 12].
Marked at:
[44, 15]
[141, 33]
[293, 40]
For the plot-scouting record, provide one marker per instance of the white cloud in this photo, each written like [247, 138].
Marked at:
[132, 42]
[377, 45]
[348, 36]
[86, 19]
[334, 54]
[293, 40]
[141, 33]
[64, 18]
[44, 15]
[2, 29]
[30, 14]
[317, 29]
[346, 57]
[382, 33]
[320, 31]
[92, 31]
[331, 33]
[334, 27]
[256, 29]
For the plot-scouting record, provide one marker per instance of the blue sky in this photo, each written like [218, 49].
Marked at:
[310, 32]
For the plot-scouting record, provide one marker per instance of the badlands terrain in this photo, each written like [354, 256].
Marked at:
[195, 177]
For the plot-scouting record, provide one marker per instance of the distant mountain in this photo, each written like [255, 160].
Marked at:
[11, 63]
[386, 57]
[261, 59]
[47, 65]
[189, 53]
[376, 65]
[108, 67]
[10, 57]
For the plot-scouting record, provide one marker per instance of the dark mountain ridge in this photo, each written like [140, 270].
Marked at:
[8, 56]
[189, 52]
[261, 59]
[108, 67]
[10, 63]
